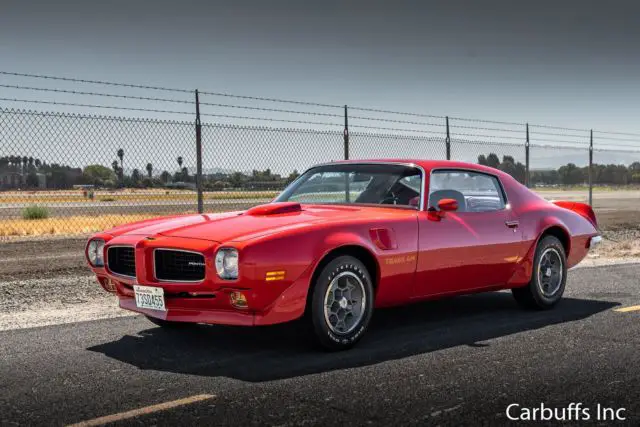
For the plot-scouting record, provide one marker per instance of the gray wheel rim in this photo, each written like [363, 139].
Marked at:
[344, 303]
[550, 271]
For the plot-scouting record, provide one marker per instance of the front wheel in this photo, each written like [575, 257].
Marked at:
[341, 303]
[548, 277]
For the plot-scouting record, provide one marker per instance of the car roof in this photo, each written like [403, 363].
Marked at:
[429, 165]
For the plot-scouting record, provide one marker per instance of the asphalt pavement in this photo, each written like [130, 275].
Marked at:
[460, 361]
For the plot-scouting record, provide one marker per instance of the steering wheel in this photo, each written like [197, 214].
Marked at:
[390, 200]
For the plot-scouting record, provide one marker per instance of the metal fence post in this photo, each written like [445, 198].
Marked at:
[591, 168]
[199, 156]
[526, 159]
[346, 134]
[448, 141]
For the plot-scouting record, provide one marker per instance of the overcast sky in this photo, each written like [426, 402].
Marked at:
[565, 63]
[573, 63]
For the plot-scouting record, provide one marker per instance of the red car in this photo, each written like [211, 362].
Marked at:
[343, 239]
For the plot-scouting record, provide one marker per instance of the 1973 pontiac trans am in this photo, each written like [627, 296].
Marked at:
[346, 238]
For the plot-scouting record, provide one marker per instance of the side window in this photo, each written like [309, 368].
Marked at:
[474, 191]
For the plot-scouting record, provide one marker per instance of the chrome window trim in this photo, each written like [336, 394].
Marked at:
[106, 261]
[461, 169]
[408, 164]
[155, 276]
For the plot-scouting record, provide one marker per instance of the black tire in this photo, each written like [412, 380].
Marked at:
[167, 323]
[534, 296]
[341, 268]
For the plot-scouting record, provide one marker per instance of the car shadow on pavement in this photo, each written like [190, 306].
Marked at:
[282, 351]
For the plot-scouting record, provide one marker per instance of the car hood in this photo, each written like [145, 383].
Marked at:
[239, 226]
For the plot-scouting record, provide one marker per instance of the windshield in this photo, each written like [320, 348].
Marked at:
[380, 184]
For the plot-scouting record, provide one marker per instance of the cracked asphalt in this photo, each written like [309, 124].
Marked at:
[458, 361]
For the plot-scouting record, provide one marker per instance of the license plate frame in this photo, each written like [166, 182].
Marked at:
[149, 297]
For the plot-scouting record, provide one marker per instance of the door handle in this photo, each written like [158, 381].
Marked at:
[512, 224]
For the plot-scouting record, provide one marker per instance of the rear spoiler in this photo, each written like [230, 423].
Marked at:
[581, 209]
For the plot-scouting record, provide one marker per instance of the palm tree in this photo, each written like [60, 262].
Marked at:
[38, 163]
[149, 169]
[121, 157]
[115, 167]
[179, 159]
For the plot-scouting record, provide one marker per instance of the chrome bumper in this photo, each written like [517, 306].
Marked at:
[594, 241]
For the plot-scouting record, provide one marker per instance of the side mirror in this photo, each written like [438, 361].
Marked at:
[448, 205]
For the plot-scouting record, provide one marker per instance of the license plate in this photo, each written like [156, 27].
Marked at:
[149, 297]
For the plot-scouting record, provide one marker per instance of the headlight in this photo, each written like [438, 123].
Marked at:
[227, 263]
[95, 252]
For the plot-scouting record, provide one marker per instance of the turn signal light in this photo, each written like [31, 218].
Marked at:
[238, 299]
[107, 284]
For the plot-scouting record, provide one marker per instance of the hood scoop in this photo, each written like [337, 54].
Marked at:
[275, 208]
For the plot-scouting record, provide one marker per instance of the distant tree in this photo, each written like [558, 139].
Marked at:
[165, 177]
[493, 161]
[121, 157]
[149, 170]
[38, 163]
[116, 167]
[482, 160]
[237, 179]
[32, 180]
[179, 160]
[135, 177]
[570, 174]
[292, 176]
[98, 175]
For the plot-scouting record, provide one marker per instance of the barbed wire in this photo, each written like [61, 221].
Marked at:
[374, 110]
[608, 138]
[396, 129]
[101, 82]
[533, 127]
[74, 104]
[495, 122]
[397, 121]
[275, 110]
[78, 92]
[454, 126]
[258, 98]
[269, 119]
[614, 133]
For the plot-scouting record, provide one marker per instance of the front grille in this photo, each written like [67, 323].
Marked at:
[178, 266]
[121, 260]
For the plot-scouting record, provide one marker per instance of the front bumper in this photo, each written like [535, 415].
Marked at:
[594, 241]
[214, 306]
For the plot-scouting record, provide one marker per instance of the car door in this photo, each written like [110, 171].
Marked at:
[471, 248]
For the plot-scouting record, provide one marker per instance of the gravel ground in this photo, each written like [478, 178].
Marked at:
[46, 281]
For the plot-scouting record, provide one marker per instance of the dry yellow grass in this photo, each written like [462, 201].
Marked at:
[128, 196]
[66, 226]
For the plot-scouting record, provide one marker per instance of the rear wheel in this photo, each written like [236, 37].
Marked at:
[341, 303]
[548, 277]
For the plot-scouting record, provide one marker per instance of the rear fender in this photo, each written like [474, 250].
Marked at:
[581, 209]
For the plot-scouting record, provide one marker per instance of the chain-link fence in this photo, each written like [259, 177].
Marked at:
[75, 171]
